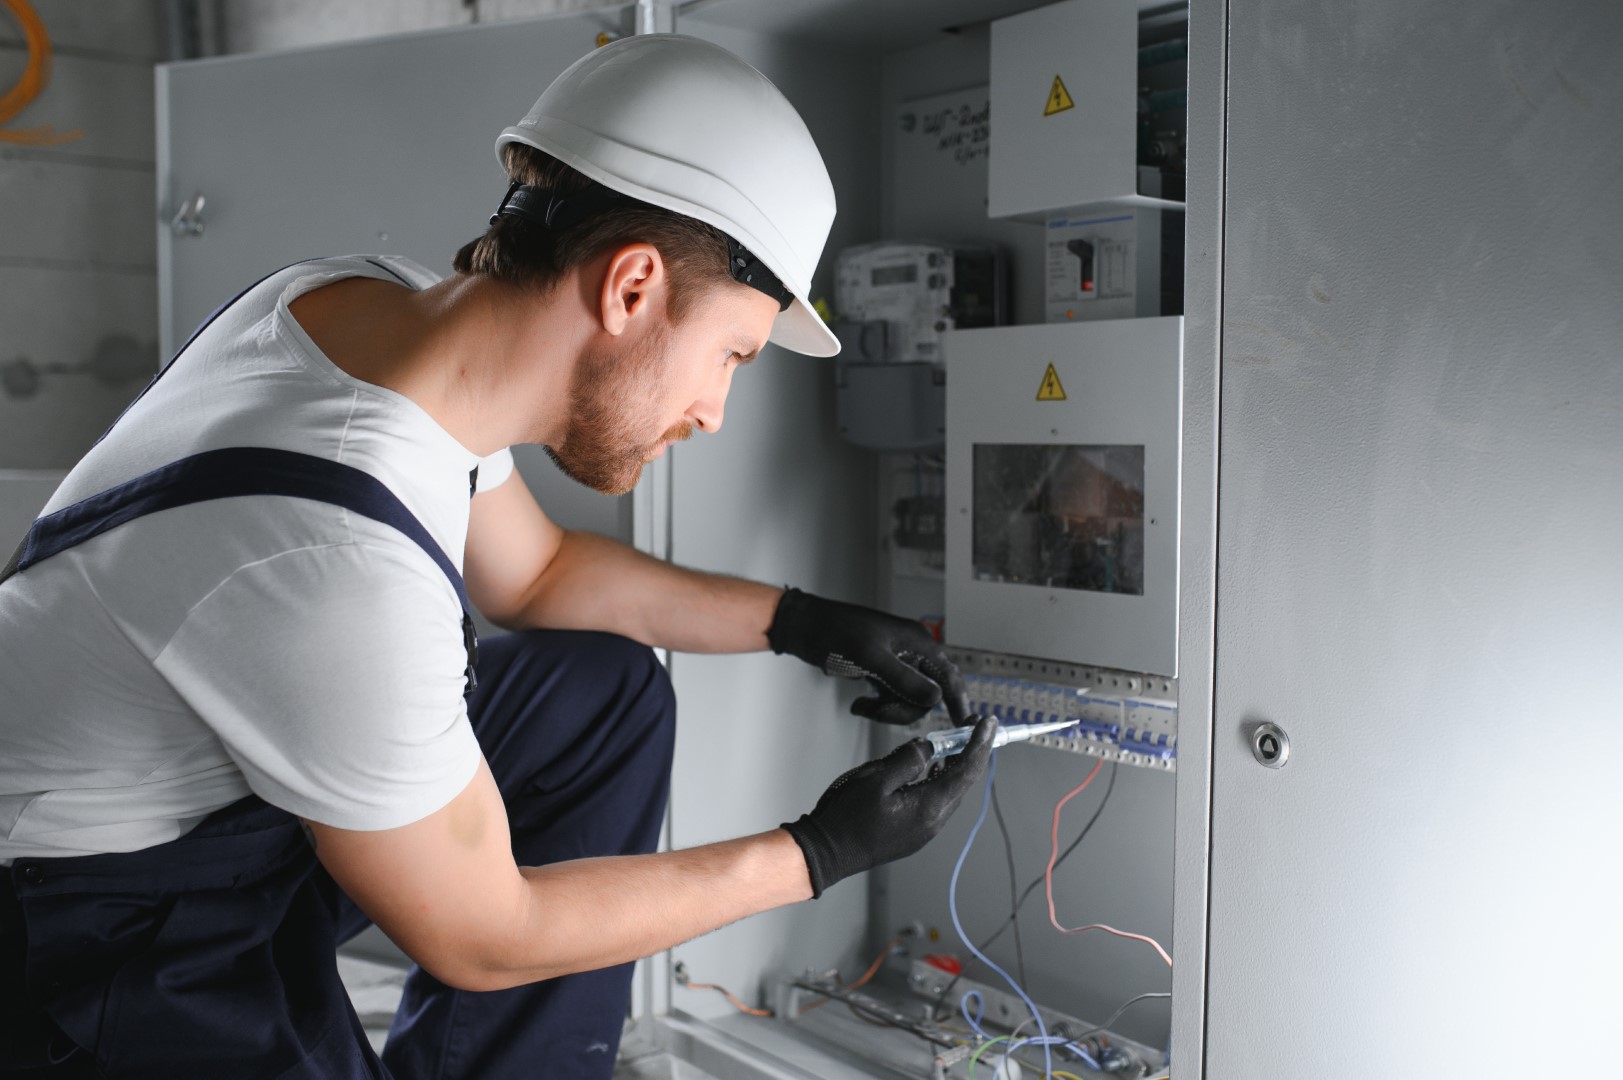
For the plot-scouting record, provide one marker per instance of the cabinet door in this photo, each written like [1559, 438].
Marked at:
[382, 147]
[1420, 503]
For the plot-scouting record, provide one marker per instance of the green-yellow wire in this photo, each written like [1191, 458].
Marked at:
[981, 1049]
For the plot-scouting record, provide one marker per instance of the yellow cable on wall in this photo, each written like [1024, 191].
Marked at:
[32, 82]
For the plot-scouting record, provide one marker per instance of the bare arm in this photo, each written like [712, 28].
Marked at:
[447, 890]
[523, 571]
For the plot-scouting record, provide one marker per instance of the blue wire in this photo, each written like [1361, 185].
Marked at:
[1051, 1040]
[974, 1022]
[952, 909]
[1087, 1059]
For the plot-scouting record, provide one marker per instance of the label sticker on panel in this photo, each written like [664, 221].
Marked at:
[1051, 390]
[1059, 98]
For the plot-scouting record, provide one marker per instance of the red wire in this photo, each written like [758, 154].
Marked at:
[732, 999]
[1048, 875]
[873, 969]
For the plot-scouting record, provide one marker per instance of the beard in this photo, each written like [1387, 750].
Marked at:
[605, 445]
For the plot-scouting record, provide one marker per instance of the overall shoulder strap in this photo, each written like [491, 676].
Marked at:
[195, 334]
[221, 310]
[232, 472]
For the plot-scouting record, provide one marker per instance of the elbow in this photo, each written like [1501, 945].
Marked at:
[456, 968]
[467, 973]
[506, 621]
[463, 958]
[480, 969]
[477, 980]
[520, 609]
[497, 943]
[508, 610]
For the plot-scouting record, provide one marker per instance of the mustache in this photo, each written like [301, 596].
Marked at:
[681, 432]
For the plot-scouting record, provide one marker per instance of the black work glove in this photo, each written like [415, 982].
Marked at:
[887, 809]
[908, 670]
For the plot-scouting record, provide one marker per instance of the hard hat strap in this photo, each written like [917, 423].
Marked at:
[749, 270]
[550, 210]
[546, 208]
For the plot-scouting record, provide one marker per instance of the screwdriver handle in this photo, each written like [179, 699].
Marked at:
[948, 743]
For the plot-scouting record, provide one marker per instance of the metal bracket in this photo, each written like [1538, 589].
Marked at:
[188, 220]
[655, 17]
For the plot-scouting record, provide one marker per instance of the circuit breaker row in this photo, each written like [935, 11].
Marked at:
[1123, 717]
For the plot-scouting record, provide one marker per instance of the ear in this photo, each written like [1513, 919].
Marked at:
[633, 286]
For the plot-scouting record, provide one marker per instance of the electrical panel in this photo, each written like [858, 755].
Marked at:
[1113, 263]
[895, 303]
[1089, 101]
[1062, 491]
[904, 297]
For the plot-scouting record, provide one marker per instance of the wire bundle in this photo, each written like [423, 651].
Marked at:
[1036, 882]
[1048, 878]
[957, 925]
[1012, 1042]
[1043, 1038]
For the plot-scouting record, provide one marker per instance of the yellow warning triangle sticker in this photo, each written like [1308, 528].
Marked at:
[1059, 98]
[1051, 390]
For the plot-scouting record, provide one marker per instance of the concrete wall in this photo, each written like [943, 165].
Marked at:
[78, 264]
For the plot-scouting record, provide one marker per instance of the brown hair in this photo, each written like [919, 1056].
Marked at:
[524, 253]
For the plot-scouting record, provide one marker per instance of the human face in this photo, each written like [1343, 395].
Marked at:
[638, 394]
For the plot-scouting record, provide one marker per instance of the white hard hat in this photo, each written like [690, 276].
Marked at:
[686, 125]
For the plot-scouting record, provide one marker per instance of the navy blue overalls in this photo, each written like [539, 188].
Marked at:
[213, 955]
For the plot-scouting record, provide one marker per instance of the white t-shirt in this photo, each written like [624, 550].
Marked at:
[264, 644]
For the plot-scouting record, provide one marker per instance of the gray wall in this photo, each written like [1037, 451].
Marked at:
[272, 25]
[78, 265]
[1420, 512]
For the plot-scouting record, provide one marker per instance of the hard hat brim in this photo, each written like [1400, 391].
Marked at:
[800, 329]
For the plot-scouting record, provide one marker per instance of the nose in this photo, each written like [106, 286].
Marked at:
[707, 412]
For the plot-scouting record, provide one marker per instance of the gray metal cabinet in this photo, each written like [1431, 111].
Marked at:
[1413, 288]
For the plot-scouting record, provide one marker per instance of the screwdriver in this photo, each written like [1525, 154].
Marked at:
[953, 741]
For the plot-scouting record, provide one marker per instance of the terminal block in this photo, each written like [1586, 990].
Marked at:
[1121, 716]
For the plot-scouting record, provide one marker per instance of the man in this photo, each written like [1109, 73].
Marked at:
[244, 714]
